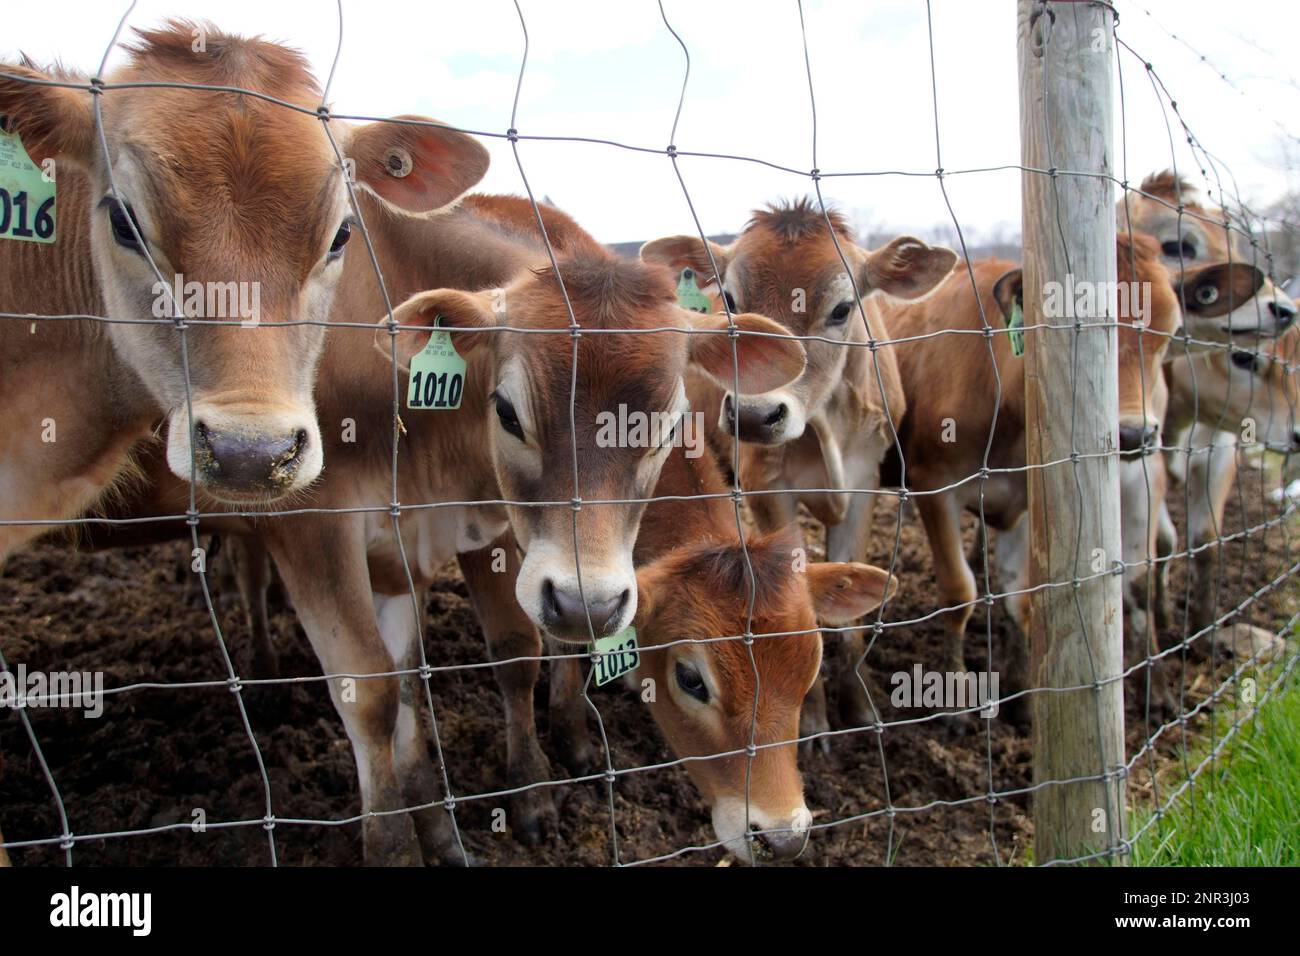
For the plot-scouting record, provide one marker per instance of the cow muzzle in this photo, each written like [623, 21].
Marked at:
[245, 457]
[762, 420]
[765, 837]
[1137, 439]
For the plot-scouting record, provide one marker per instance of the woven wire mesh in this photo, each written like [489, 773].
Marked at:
[1239, 592]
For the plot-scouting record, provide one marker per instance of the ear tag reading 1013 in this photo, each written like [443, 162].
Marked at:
[618, 656]
[437, 374]
[689, 295]
[1016, 329]
[26, 195]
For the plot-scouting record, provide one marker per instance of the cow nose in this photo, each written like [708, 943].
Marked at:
[1138, 439]
[776, 845]
[1284, 311]
[1295, 441]
[757, 424]
[564, 610]
[240, 461]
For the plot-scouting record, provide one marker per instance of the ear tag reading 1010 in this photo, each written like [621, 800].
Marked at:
[618, 656]
[437, 374]
[689, 295]
[1016, 329]
[26, 196]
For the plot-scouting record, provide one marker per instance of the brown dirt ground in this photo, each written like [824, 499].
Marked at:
[156, 754]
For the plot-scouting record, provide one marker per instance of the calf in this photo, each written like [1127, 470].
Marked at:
[964, 404]
[1217, 402]
[827, 431]
[710, 695]
[216, 189]
[350, 566]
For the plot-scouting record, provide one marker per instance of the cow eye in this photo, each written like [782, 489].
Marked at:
[690, 681]
[121, 217]
[1207, 294]
[506, 415]
[340, 240]
[840, 314]
[1177, 249]
[1246, 360]
[730, 300]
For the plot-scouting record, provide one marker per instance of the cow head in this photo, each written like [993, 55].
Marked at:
[1247, 387]
[1147, 314]
[710, 694]
[607, 403]
[241, 206]
[785, 264]
[1197, 237]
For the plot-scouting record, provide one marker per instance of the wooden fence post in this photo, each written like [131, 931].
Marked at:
[1064, 50]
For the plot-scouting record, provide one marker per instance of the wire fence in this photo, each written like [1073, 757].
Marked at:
[1212, 703]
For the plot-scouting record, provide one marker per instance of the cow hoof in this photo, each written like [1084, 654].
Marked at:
[390, 840]
[533, 817]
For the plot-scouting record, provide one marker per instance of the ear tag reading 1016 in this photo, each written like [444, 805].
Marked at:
[1016, 329]
[689, 295]
[26, 195]
[437, 374]
[618, 656]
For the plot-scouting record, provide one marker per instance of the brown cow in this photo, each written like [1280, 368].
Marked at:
[831, 427]
[954, 397]
[221, 190]
[1217, 403]
[693, 574]
[508, 446]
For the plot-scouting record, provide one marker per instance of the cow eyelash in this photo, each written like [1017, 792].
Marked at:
[507, 416]
[122, 220]
[840, 314]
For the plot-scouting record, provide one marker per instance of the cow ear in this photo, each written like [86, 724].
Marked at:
[766, 356]
[682, 252]
[53, 121]
[1218, 288]
[842, 593]
[416, 168]
[907, 268]
[445, 308]
[1008, 290]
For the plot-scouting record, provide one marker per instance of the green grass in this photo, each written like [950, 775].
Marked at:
[1246, 809]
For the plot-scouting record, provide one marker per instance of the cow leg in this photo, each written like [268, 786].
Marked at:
[253, 576]
[1010, 558]
[416, 769]
[848, 541]
[1166, 544]
[322, 561]
[571, 735]
[812, 715]
[1210, 477]
[1141, 495]
[941, 516]
[4, 854]
[510, 634]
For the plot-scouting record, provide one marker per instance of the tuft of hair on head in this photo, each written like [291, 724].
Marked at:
[798, 220]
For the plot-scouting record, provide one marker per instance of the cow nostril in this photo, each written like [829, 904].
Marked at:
[728, 410]
[1284, 312]
[775, 416]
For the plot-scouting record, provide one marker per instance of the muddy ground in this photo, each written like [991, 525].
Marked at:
[157, 754]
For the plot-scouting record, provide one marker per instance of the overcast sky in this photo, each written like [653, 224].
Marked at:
[611, 70]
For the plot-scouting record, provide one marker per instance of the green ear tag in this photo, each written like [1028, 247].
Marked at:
[689, 295]
[437, 374]
[1016, 329]
[26, 196]
[618, 655]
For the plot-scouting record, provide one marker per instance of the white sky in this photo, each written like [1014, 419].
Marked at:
[611, 70]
